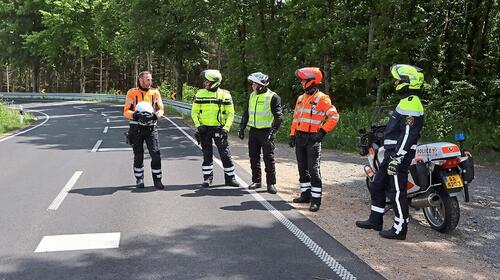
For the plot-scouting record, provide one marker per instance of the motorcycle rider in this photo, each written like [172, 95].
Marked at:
[307, 131]
[263, 115]
[400, 140]
[213, 114]
[143, 106]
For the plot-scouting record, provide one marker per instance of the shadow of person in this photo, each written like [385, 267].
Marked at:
[100, 191]
[216, 190]
[255, 205]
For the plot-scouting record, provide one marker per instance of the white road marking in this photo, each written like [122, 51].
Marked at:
[24, 131]
[70, 242]
[105, 130]
[92, 110]
[122, 126]
[114, 149]
[110, 112]
[333, 264]
[60, 197]
[107, 120]
[104, 115]
[96, 146]
[98, 108]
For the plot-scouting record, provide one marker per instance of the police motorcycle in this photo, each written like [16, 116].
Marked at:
[439, 173]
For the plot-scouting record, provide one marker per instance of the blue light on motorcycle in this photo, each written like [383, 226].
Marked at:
[460, 136]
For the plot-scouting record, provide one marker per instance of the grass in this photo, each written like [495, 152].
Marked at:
[10, 119]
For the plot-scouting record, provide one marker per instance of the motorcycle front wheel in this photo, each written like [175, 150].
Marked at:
[445, 216]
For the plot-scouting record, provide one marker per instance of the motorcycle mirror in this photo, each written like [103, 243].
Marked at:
[361, 131]
[460, 136]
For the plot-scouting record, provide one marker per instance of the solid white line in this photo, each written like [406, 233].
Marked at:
[114, 149]
[24, 131]
[92, 110]
[96, 146]
[55, 243]
[122, 126]
[333, 264]
[105, 130]
[60, 197]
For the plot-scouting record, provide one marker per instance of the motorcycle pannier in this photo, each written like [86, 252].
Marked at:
[420, 174]
[467, 170]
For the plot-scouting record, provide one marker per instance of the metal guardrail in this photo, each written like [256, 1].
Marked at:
[181, 107]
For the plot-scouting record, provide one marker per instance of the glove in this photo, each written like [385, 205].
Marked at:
[272, 135]
[318, 137]
[393, 167]
[291, 141]
[146, 117]
[202, 129]
[241, 133]
[197, 137]
[135, 115]
[155, 117]
[223, 133]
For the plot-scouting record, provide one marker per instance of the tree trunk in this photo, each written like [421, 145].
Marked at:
[242, 53]
[36, 75]
[178, 78]
[82, 74]
[370, 81]
[379, 88]
[135, 76]
[7, 77]
[327, 72]
[100, 72]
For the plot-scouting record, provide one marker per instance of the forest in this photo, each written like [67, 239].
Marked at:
[100, 46]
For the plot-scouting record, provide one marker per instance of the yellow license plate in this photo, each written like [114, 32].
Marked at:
[454, 181]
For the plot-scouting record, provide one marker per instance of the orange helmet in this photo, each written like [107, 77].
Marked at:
[312, 76]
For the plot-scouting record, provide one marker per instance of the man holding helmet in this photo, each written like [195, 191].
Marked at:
[314, 116]
[213, 114]
[143, 106]
[264, 116]
[400, 142]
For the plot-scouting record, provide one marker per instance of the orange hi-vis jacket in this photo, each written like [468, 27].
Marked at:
[310, 112]
[136, 95]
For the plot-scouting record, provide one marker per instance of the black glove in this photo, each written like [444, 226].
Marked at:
[223, 133]
[202, 129]
[146, 117]
[318, 137]
[135, 115]
[155, 117]
[197, 137]
[291, 141]
[241, 133]
[272, 135]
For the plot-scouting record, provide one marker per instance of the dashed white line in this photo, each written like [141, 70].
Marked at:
[107, 120]
[333, 264]
[104, 115]
[96, 146]
[114, 149]
[105, 130]
[70, 242]
[60, 197]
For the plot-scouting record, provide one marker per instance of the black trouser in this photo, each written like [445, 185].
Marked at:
[395, 188]
[222, 144]
[258, 139]
[139, 134]
[308, 155]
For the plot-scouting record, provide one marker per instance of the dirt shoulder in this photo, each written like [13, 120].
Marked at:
[470, 252]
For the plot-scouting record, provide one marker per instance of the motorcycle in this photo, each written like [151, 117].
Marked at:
[439, 172]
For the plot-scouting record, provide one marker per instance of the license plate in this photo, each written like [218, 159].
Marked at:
[454, 181]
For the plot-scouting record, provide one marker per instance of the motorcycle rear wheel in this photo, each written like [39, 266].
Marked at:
[444, 217]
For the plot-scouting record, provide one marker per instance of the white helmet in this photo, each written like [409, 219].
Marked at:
[144, 106]
[259, 78]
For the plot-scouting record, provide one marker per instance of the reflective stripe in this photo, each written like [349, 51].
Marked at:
[158, 176]
[229, 168]
[303, 189]
[307, 184]
[257, 124]
[229, 173]
[265, 114]
[156, 170]
[316, 195]
[390, 142]
[401, 150]
[409, 113]
[207, 172]
[413, 147]
[315, 189]
[331, 110]
[305, 120]
[398, 227]
[139, 169]
[314, 112]
[133, 122]
[138, 174]
[207, 167]
[378, 209]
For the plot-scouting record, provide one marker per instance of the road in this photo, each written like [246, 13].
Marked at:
[69, 210]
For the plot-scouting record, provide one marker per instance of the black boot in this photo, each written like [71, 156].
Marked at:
[391, 233]
[139, 183]
[158, 184]
[305, 197]
[254, 186]
[369, 225]
[315, 203]
[231, 181]
[207, 182]
[271, 188]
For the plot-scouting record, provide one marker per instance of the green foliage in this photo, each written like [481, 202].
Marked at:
[9, 119]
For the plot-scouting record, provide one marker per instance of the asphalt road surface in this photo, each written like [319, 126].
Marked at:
[69, 210]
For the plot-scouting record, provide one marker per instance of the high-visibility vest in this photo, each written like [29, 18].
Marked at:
[136, 95]
[259, 110]
[310, 112]
[213, 108]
